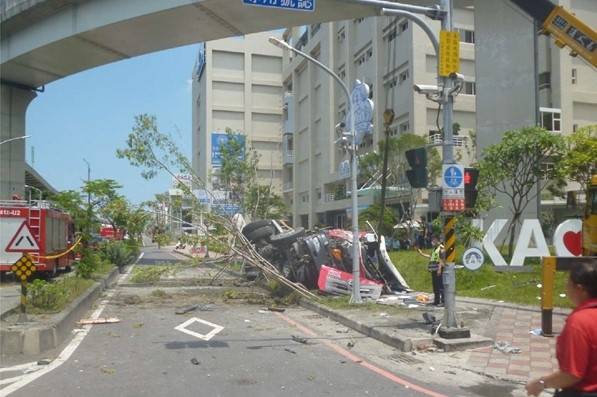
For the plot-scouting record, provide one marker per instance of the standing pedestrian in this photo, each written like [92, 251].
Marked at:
[435, 268]
[576, 347]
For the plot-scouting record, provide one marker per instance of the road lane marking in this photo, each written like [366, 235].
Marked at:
[361, 361]
[216, 328]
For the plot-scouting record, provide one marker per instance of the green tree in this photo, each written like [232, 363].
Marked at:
[514, 165]
[262, 203]
[70, 201]
[580, 162]
[371, 214]
[238, 171]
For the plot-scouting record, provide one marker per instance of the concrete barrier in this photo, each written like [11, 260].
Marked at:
[32, 340]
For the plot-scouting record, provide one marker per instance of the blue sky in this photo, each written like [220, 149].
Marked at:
[90, 114]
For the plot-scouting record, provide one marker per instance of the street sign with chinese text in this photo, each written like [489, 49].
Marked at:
[296, 5]
[453, 188]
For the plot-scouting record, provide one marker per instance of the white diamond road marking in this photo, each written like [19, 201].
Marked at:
[183, 328]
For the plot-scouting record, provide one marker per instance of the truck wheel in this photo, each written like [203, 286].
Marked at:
[254, 226]
[287, 237]
[261, 233]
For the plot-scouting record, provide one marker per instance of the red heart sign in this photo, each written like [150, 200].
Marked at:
[573, 242]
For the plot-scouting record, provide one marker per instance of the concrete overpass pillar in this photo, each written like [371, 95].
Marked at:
[505, 79]
[13, 106]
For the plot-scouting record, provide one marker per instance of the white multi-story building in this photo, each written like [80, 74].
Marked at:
[237, 85]
[390, 56]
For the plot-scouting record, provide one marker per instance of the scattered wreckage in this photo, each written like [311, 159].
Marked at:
[322, 259]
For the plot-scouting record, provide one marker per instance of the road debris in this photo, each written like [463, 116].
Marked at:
[299, 339]
[289, 351]
[108, 370]
[429, 318]
[132, 299]
[431, 369]
[506, 347]
[194, 361]
[44, 361]
[488, 287]
[276, 309]
[350, 344]
[186, 309]
[100, 320]
[536, 332]
[342, 331]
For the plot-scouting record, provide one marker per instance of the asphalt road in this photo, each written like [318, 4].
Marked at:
[152, 255]
[256, 353]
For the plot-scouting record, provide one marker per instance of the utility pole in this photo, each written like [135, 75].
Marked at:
[88, 195]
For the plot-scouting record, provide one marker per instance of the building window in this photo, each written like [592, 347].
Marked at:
[391, 83]
[403, 26]
[469, 88]
[544, 80]
[403, 76]
[404, 127]
[574, 78]
[342, 72]
[551, 119]
[341, 35]
[392, 35]
[574, 127]
[359, 20]
[466, 36]
[369, 53]
[315, 28]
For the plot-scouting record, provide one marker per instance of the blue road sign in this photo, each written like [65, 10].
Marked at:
[453, 177]
[297, 5]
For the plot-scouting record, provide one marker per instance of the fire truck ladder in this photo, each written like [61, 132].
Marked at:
[34, 221]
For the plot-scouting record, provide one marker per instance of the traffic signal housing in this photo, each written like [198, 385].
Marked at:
[471, 177]
[417, 160]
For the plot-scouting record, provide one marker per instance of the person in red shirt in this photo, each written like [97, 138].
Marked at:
[576, 348]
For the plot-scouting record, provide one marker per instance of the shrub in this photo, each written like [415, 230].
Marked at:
[118, 253]
[45, 295]
[88, 264]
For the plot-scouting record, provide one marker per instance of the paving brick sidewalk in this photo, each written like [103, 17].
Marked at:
[537, 353]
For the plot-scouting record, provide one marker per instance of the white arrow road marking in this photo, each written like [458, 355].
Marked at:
[216, 328]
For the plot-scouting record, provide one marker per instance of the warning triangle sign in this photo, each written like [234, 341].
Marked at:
[23, 240]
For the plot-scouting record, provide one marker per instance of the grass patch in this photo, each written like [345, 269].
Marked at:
[102, 268]
[509, 286]
[51, 297]
[151, 274]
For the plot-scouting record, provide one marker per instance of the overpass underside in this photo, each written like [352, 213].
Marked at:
[45, 40]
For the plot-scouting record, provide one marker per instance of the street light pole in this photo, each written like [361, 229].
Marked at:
[356, 252]
[14, 139]
[88, 195]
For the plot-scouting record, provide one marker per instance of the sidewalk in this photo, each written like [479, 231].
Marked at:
[490, 322]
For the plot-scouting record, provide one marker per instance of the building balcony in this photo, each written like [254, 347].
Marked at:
[288, 157]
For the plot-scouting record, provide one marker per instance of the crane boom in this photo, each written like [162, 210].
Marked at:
[564, 27]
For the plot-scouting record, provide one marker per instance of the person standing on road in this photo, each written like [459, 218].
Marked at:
[435, 267]
[576, 348]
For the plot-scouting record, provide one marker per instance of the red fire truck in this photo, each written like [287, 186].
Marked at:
[39, 229]
[108, 232]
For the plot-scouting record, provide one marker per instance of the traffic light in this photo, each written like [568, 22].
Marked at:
[417, 160]
[471, 176]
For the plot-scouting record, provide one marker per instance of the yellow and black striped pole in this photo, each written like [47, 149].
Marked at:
[549, 273]
[450, 239]
[449, 273]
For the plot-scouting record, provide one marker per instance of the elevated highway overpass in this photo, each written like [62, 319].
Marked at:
[45, 40]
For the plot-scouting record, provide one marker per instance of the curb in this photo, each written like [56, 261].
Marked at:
[36, 340]
[397, 341]
[402, 343]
